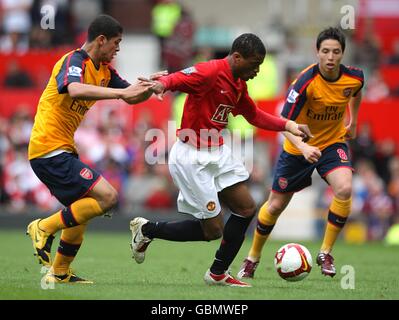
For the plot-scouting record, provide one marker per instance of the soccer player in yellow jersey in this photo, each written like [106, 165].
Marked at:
[319, 98]
[78, 80]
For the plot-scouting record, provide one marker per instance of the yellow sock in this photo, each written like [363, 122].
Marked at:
[338, 213]
[53, 223]
[85, 209]
[70, 242]
[77, 213]
[264, 227]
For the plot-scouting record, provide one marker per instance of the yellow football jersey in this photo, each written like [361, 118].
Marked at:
[58, 115]
[321, 104]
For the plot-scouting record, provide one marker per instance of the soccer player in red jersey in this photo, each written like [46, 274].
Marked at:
[202, 166]
[319, 97]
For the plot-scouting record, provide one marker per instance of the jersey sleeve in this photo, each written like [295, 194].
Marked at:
[195, 79]
[116, 80]
[296, 94]
[245, 106]
[72, 70]
[360, 76]
[258, 117]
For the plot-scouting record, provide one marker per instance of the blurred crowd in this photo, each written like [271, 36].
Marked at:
[30, 24]
[120, 153]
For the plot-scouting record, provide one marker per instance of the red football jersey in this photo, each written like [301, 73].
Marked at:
[212, 94]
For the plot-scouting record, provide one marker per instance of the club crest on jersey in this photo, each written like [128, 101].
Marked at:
[282, 182]
[347, 92]
[86, 173]
[292, 96]
[74, 71]
[189, 70]
[221, 114]
[211, 206]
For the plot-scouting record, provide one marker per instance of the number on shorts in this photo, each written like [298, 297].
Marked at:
[342, 154]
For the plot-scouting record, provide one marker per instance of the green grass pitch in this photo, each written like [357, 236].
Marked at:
[174, 271]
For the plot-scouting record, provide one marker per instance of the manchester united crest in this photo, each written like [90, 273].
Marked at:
[211, 206]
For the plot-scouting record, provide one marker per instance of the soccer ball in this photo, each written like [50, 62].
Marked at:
[293, 262]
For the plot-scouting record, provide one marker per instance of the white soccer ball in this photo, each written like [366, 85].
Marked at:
[293, 262]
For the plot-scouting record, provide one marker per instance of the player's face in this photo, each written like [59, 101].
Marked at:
[248, 68]
[330, 55]
[110, 47]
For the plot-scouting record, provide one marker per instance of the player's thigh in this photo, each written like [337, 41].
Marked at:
[238, 199]
[336, 168]
[195, 179]
[104, 193]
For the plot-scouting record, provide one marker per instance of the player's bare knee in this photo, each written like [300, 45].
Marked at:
[275, 208]
[213, 233]
[344, 191]
[109, 199]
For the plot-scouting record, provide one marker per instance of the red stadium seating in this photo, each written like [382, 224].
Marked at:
[390, 74]
[37, 63]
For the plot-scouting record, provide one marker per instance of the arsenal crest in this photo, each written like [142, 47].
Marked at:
[282, 182]
[347, 92]
[86, 174]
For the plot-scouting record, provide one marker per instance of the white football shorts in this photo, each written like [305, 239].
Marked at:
[200, 174]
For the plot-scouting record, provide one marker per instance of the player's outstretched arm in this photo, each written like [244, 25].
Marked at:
[130, 94]
[83, 91]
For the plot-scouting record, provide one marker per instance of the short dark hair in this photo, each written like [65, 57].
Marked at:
[331, 33]
[248, 45]
[104, 25]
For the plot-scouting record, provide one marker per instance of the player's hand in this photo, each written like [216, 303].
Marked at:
[300, 130]
[350, 132]
[157, 87]
[136, 92]
[159, 74]
[310, 153]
